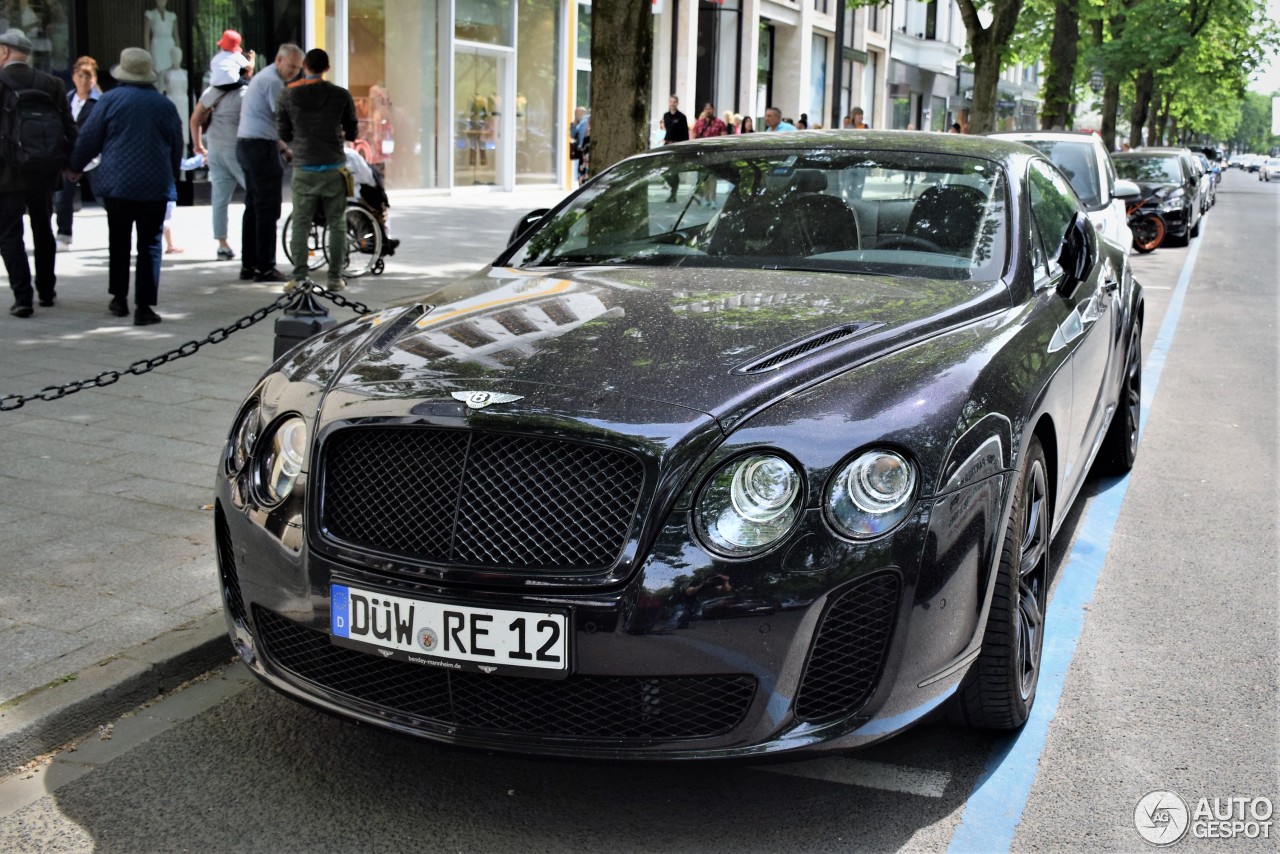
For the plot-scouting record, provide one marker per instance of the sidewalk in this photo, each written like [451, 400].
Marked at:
[107, 572]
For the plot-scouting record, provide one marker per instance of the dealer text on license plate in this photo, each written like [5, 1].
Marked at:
[454, 637]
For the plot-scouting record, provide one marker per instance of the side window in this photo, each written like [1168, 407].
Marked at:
[1053, 206]
[1110, 175]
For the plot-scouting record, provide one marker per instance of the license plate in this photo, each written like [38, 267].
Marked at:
[453, 637]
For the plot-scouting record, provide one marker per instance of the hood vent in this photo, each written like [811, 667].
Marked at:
[803, 346]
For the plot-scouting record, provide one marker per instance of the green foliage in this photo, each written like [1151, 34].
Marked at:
[1253, 132]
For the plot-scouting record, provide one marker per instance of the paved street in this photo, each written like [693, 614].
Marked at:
[1169, 683]
[107, 536]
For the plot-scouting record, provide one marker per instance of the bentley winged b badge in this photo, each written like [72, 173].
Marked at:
[481, 399]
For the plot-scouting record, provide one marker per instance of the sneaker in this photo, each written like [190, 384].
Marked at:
[293, 284]
[64, 240]
[225, 253]
[118, 306]
[21, 310]
[246, 274]
[49, 301]
[144, 316]
[336, 285]
[271, 275]
[389, 248]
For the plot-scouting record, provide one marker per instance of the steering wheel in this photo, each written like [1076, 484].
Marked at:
[910, 241]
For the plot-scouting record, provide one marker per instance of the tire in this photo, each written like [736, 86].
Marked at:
[364, 242]
[315, 243]
[1148, 232]
[1000, 688]
[1120, 445]
[1195, 229]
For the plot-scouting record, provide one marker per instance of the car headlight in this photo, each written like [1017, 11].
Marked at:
[870, 495]
[748, 505]
[1173, 201]
[244, 434]
[280, 460]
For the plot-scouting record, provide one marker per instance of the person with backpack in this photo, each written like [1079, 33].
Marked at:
[139, 135]
[36, 135]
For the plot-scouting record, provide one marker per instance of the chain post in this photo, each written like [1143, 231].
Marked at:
[302, 318]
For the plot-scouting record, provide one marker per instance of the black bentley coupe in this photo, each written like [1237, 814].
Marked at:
[752, 445]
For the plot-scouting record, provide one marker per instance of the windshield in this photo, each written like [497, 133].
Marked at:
[899, 213]
[1150, 170]
[1075, 160]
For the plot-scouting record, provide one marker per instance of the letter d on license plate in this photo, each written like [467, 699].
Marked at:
[451, 636]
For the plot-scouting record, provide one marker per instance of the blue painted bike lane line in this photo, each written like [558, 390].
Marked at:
[994, 808]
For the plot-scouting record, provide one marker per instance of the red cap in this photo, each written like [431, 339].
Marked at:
[230, 40]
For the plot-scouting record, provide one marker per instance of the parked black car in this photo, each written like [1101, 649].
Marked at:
[1174, 176]
[774, 465]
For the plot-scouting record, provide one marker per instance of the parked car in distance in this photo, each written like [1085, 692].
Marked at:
[1269, 170]
[774, 473]
[1210, 172]
[1171, 175]
[1085, 161]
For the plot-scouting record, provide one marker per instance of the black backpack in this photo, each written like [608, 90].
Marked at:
[32, 135]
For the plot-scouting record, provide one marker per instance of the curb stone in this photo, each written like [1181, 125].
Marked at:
[60, 713]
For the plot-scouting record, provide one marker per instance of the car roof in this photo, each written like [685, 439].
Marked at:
[984, 147]
[1048, 135]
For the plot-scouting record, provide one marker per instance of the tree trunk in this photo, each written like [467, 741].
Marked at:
[1141, 106]
[987, 45]
[1110, 112]
[1162, 121]
[1153, 115]
[621, 68]
[1060, 79]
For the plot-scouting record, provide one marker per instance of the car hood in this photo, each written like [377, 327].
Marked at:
[1159, 189]
[691, 338]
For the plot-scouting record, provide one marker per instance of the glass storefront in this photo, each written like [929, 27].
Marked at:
[51, 28]
[455, 93]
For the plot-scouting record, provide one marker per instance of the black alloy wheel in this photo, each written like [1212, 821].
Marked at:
[1000, 688]
[1120, 445]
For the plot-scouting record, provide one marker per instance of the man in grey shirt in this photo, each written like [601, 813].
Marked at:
[258, 151]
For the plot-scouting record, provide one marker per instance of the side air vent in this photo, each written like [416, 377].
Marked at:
[803, 346]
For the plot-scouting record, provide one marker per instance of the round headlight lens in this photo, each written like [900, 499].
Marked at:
[871, 494]
[243, 437]
[282, 459]
[748, 504]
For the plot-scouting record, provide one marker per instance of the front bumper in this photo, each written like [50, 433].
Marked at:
[826, 645]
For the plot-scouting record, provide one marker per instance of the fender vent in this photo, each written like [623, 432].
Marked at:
[803, 346]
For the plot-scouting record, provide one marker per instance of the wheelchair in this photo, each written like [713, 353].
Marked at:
[367, 243]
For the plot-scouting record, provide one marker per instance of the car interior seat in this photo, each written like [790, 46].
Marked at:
[948, 216]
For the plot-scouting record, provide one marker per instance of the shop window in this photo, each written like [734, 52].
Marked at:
[538, 121]
[484, 21]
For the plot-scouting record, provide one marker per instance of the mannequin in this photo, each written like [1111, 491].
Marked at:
[158, 38]
[175, 87]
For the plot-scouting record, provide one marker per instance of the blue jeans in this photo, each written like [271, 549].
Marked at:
[64, 202]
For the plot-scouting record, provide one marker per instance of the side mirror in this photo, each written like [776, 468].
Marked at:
[1079, 253]
[526, 222]
[1126, 191]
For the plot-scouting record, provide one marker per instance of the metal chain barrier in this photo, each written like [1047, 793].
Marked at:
[10, 402]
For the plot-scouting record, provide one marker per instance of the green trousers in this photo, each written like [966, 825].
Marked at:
[328, 190]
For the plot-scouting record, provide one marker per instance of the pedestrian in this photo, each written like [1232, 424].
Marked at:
[675, 126]
[139, 135]
[748, 125]
[45, 136]
[215, 122]
[315, 116]
[731, 121]
[955, 128]
[578, 140]
[855, 119]
[584, 151]
[260, 154]
[82, 98]
[773, 120]
[803, 122]
[230, 60]
[708, 125]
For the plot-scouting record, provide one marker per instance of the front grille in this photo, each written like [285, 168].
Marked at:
[480, 499]
[848, 652]
[227, 567]
[584, 707]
